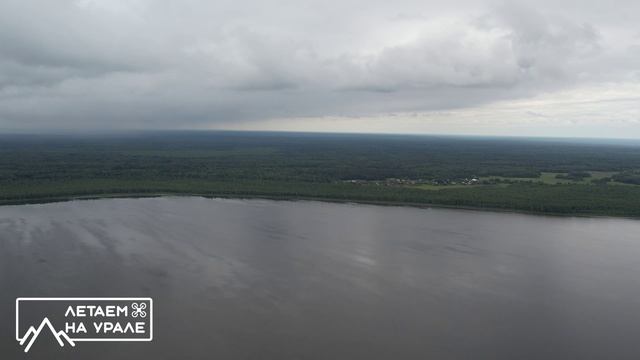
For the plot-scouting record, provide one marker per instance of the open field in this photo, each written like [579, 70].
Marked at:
[551, 178]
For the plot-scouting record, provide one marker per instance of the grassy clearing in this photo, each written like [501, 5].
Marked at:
[550, 178]
[547, 178]
[441, 187]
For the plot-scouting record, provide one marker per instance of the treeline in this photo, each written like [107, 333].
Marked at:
[537, 198]
[33, 168]
[628, 177]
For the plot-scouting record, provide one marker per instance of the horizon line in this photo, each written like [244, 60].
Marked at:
[94, 132]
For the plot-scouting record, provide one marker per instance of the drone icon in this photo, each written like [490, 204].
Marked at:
[138, 310]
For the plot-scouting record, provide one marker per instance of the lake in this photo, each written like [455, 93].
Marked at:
[260, 279]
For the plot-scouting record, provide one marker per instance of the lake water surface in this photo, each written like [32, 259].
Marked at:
[258, 279]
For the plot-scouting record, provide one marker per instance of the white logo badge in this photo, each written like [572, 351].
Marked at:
[72, 320]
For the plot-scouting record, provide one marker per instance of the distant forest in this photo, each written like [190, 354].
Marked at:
[500, 173]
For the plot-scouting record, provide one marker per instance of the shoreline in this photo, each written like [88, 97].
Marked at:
[60, 199]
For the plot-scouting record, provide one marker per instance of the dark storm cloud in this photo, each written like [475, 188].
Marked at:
[145, 64]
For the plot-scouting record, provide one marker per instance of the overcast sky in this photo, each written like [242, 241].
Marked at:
[539, 67]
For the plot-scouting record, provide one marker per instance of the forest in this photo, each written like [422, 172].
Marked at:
[558, 176]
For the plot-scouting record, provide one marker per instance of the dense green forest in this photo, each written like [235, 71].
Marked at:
[537, 175]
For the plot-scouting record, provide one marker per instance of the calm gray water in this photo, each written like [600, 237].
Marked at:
[252, 279]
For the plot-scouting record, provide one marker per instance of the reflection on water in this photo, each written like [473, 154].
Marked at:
[236, 279]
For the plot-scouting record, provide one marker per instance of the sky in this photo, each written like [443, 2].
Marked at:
[568, 68]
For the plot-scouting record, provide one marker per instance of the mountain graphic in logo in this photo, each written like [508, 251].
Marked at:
[33, 333]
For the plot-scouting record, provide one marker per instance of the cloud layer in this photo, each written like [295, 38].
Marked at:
[116, 64]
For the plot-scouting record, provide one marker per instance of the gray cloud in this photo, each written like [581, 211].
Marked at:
[148, 64]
